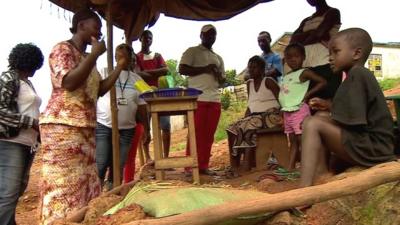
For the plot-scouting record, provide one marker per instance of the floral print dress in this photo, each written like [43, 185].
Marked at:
[69, 175]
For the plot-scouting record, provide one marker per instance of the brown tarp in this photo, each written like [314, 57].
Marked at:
[134, 15]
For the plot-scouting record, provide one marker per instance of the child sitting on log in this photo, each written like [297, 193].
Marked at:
[359, 129]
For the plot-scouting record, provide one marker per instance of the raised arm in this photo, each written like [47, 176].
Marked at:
[106, 84]
[76, 77]
[312, 76]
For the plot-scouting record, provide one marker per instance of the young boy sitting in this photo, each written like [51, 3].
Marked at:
[359, 128]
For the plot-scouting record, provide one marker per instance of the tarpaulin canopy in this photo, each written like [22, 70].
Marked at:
[134, 15]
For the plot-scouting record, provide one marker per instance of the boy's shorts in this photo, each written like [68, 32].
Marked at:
[293, 120]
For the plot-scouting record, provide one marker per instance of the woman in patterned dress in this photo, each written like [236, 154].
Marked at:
[67, 126]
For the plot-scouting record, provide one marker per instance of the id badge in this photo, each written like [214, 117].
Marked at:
[122, 101]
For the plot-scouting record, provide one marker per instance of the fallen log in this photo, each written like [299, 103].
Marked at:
[364, 180]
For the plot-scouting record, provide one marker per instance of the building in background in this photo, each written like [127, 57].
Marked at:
[384, 60]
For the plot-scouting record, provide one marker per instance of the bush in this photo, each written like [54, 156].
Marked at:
[233, 114]
[225, 99]
[178, 79]
[389, 83]
[231, 78]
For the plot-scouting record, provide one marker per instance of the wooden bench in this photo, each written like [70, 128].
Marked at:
[271, 141]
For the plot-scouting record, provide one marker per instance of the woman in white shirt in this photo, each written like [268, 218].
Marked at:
[19, 129]
[130, 109]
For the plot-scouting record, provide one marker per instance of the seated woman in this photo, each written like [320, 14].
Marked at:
[262, 111]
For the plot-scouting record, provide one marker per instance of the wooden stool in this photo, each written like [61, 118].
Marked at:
[166, 106]
[272, 140]
[248, 158]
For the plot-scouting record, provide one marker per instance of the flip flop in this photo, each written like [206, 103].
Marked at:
[289, 175]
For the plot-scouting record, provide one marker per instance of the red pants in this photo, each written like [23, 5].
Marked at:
[129, 169]
[206, 119]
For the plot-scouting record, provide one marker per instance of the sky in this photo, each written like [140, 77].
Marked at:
[45, 24]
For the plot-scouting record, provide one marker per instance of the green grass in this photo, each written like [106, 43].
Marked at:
[234, 112]
[389, 83]
[178, 147]
[229, 116]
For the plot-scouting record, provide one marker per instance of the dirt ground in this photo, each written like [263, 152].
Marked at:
[27, 210]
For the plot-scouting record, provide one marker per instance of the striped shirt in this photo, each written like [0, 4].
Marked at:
[11, 121]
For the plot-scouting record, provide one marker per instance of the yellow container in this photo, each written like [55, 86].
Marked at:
[142, 86]
[162, 82]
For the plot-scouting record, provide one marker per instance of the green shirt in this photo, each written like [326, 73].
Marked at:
[292, 91]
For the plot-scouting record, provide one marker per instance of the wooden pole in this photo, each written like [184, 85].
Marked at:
[362, 181]
[113, 101]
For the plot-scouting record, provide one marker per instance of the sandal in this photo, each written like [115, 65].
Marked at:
[273, 166]
[288, 175]
[300, 211]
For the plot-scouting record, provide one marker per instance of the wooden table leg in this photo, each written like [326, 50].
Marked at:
[141, 153]
[193, 147]
[158, 154]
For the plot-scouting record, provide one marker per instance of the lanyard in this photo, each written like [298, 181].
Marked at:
[123, 87]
